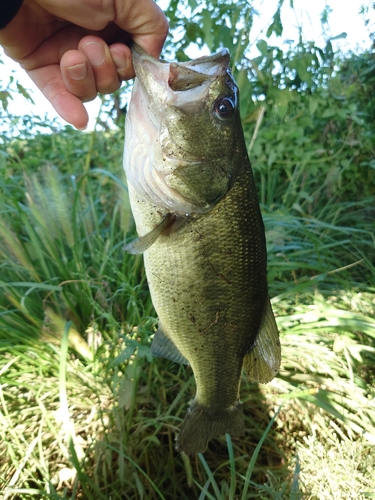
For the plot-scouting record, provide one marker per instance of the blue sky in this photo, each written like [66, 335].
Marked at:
[343, 18]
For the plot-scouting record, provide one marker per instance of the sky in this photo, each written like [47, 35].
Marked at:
[344, 17]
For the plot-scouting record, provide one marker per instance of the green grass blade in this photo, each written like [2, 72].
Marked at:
[210, 476]
[254, 456]
[232, 466]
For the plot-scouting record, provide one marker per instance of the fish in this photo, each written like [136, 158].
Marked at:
[200, 229]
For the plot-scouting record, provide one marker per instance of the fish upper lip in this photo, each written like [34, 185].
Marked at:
[205, 65]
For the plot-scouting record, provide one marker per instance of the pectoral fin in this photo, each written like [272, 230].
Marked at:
[142, 243]
[164, 347]
[263, 361]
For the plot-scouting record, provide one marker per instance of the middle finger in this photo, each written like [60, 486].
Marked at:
[103, 67]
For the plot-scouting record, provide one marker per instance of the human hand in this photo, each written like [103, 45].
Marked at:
[74, 49]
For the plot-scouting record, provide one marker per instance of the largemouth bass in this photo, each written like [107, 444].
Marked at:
[200, 228]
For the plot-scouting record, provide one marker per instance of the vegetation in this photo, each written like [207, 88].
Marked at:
[85, 411]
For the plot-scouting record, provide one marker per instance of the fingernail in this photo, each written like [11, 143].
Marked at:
[119, 58]
[95, 52]
[77, 72]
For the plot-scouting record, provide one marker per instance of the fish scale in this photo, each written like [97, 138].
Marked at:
[206, 266]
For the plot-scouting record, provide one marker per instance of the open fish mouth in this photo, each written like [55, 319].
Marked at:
[180, 76]
[165, 97]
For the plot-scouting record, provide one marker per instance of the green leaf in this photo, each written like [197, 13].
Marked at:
[262, 46]
[342, 35]
[193, 4]
[206, 28]
[3, 158]
[24, 92]
[313, 104]
[276, 25]
[4, 98]
[124, 356]
[302, 68]
[282, 98]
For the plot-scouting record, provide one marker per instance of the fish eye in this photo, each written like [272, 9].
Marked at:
[223, 108]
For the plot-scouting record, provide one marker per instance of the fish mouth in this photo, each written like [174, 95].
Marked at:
[180, 76]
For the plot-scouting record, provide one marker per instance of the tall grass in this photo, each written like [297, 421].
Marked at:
[85, 412]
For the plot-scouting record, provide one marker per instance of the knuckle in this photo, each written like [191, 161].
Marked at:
[109, 87]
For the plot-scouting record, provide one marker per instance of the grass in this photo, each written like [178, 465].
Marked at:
[86, 413]
[339, 467]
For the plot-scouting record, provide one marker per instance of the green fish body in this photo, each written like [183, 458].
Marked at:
[200, 228]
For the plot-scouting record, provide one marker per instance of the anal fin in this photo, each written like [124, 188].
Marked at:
[164, 347]
[262, 362]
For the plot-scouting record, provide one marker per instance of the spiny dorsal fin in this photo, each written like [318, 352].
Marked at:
[263, 361]
[142, 243]
[163, 347]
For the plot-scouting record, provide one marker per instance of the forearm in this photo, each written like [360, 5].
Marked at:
[8, 9]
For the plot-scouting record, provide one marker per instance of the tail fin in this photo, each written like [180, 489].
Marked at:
[202, 424]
